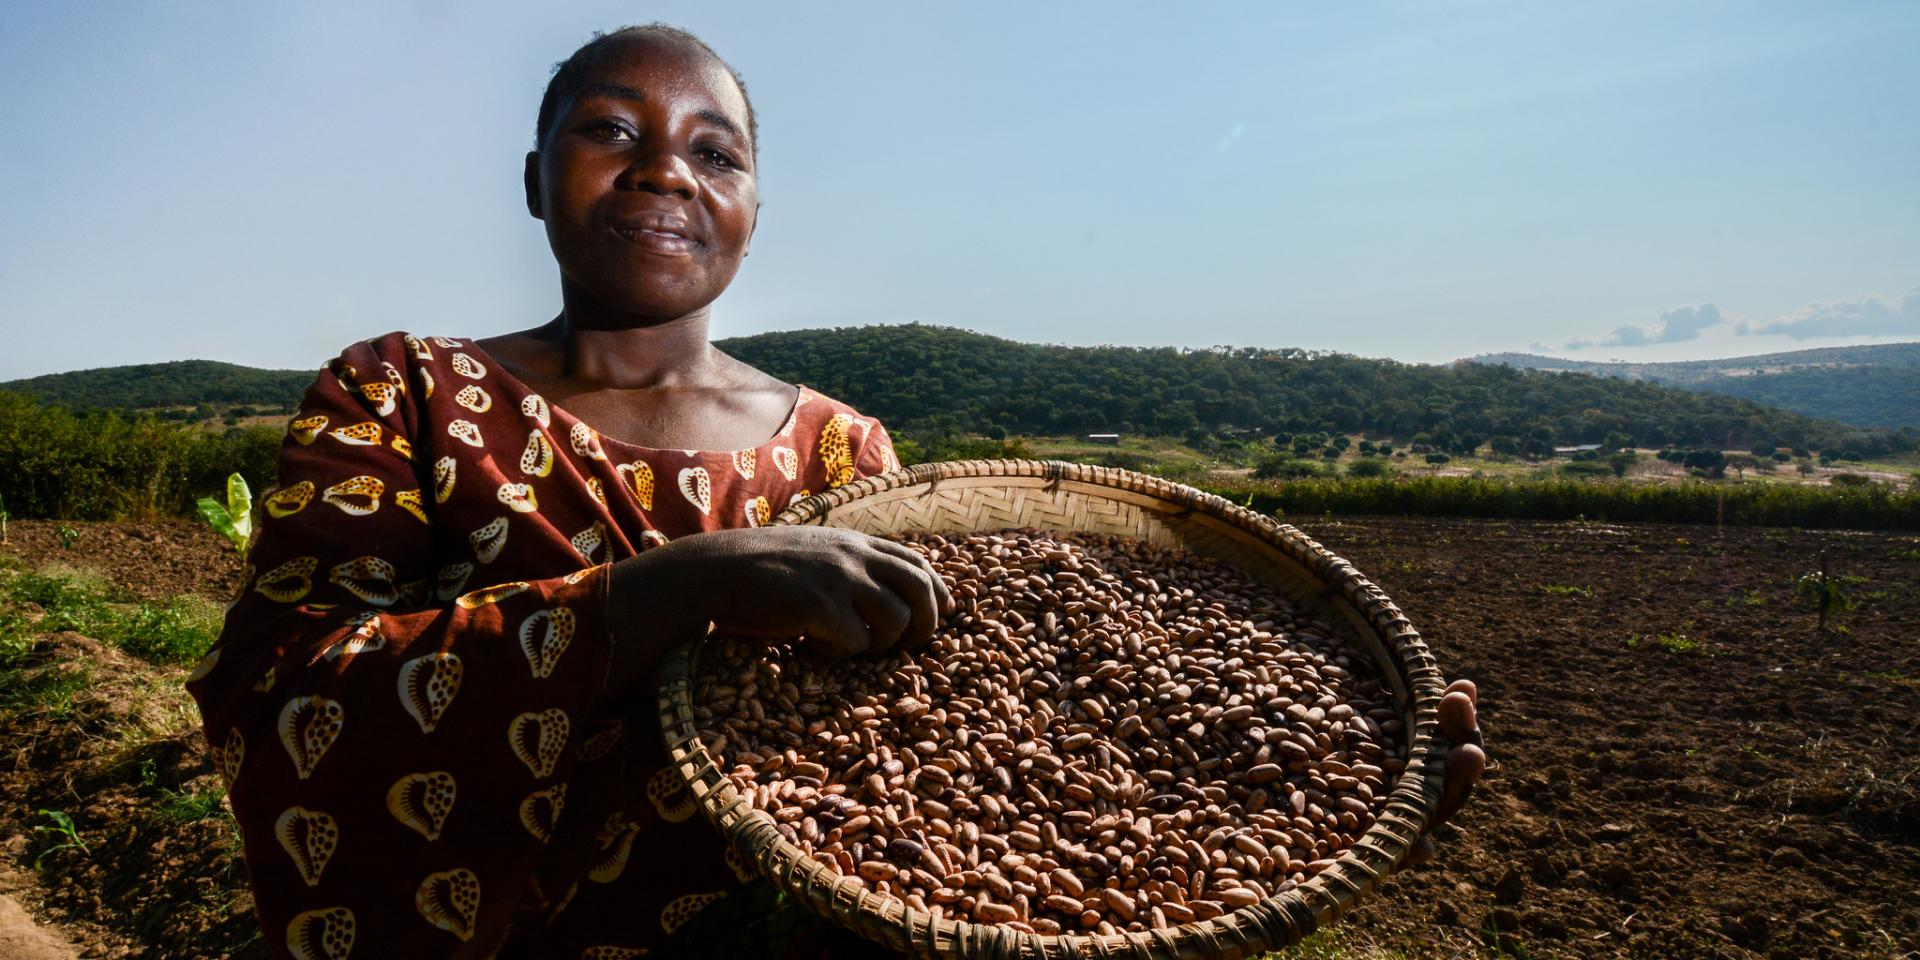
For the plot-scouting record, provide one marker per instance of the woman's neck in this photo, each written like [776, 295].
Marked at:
[590, 345]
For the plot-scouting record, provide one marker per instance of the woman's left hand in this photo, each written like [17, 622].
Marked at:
[1465, 760]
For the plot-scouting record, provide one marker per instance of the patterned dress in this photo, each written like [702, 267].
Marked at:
[408, 702]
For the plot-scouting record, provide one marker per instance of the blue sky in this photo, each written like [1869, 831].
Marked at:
[265, 182]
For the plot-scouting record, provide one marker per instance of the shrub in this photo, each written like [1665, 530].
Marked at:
[1438, 458]
[1369, 467]
[1281, 467]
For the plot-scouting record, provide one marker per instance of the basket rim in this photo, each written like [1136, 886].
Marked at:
[1273, 923]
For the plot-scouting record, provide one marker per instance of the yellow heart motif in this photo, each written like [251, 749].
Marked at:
[287, 501]
[586, 442]
[787, 462]
[697, 487]
[443, 476]
[428, 685]
[535, 406]
[321, 934]
[489, 540]
[452, 579]
[544, 636]
[369, 578]
[835, 453]
[537, 459]
[474, 398]
[289, 581]
[309, 837]
[305, 429]
[450, 900]
[422, 801]
[308, 727]
[519, 496]
[540, 811]
[538, 738]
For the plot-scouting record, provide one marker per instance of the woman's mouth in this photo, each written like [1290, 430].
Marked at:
[661, 240]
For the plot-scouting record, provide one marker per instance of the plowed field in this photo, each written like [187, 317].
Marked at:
[1682, 766]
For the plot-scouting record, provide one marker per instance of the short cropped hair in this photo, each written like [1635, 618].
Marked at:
[569, 75]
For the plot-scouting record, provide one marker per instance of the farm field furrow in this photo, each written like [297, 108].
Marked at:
[1682, 766]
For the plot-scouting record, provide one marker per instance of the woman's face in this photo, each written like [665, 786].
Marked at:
[646, 181]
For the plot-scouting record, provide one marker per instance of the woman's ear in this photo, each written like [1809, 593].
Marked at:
[532, 177]
[756, 225]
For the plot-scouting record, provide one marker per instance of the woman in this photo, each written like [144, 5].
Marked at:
[432, 701]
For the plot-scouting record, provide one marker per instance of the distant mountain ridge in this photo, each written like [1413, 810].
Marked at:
[1876, 385]
[928, 380]
[176, 383]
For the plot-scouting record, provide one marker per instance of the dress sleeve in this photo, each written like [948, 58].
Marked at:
[397, 758]
[876, 453]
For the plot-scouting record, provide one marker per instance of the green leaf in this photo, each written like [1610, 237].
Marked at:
[216, 516]
[239, 512]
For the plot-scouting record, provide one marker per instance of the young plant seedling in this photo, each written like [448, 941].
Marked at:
[234, 520]
[1827, 592]
[63, 830]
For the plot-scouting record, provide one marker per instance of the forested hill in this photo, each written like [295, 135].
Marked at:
[931, 380]
[936, 378]
[179, 383]
[1876, 385]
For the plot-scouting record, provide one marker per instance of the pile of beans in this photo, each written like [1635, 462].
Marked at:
[1107, 736]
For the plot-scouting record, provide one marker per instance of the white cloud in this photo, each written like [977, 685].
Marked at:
[1870, 314]
[1674, 326]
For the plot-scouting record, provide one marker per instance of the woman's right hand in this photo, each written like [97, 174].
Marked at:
[847, 592]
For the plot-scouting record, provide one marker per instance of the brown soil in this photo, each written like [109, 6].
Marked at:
[1757, 797]
[151, 560]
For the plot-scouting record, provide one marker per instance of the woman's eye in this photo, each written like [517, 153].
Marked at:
[609, 131]
[718, 158]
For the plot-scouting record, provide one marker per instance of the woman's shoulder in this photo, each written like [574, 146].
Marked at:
[818, 411]
[389, 355]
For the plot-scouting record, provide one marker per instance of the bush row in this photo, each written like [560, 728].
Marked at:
[1869, 507]
[56, 464]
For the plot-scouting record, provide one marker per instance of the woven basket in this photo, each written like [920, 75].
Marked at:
[984, 495]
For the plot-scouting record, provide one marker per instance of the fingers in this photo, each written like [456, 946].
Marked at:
[1459, 720]
[909, 585]
[887, 616]
[840, 630]
[1467, 687]
[943, 599]
[1464, 765]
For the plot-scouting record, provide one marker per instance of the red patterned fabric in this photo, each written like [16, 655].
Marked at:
[408, 701]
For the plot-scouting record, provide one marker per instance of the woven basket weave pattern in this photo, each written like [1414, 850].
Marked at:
[986, 495]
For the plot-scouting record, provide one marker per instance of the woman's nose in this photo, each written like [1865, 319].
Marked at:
[661, 171]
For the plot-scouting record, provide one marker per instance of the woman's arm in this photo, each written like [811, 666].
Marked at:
[396, 744]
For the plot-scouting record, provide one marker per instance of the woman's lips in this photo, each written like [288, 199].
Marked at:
[657, 240]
